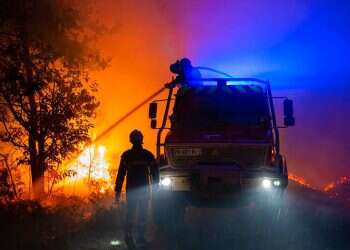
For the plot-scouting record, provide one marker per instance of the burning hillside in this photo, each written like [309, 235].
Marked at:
[299, 180]
[340, 189]
[342, 181]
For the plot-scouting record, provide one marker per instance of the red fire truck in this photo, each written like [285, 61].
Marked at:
[221, 145]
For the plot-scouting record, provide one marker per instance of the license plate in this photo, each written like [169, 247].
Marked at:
[188, 152]
[220, 177]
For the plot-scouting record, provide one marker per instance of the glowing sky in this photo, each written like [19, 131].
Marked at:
[300, 45]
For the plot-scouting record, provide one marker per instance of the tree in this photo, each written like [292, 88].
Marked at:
[9, 183]
[46, 50]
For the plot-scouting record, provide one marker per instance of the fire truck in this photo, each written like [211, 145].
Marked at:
[218, 142]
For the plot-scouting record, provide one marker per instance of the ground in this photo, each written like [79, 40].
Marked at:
[309, 220]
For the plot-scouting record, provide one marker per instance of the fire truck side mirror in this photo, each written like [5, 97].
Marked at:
[153, 123]
[152, 112]
[289, 120]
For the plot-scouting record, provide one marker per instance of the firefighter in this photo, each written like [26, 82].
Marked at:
[141, 169]
[186, 71]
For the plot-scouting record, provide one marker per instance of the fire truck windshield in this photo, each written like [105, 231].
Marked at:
[214, 108]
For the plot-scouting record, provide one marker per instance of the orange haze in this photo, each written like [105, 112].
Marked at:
[141, 48]
[149, 35]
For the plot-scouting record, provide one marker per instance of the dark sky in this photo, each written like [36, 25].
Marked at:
[301, 46]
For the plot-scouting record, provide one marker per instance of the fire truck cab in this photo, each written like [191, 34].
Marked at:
[222, 143]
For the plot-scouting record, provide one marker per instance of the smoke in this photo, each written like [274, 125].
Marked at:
[300, 45]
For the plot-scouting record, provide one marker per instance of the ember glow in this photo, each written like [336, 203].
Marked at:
[339, 189]
[90, 166]
[300, 180]
[344, 180]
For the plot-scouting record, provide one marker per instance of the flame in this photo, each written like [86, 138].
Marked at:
[91, 165]
[329, 187]
[344, 180]
[87, 155]
[102, 150]
[300, 180]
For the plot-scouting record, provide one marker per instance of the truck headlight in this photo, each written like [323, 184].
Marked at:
[277, 183]
[115, 243]
[266, 183]
[165, 182]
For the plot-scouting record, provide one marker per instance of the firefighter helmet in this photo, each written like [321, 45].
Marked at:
[136, 137]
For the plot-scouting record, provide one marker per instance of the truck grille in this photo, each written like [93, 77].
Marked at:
[243, 155]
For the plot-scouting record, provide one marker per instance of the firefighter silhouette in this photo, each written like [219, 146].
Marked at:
[189, 74]
[140, 168]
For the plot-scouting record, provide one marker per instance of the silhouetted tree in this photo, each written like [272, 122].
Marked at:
[8, 190]
[45, 88]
